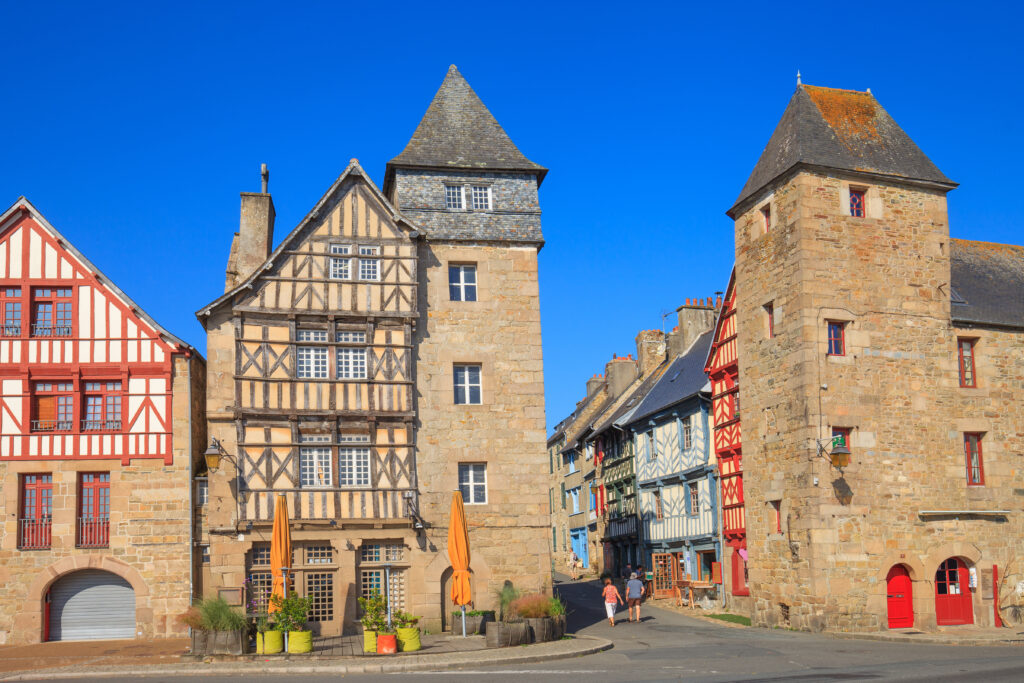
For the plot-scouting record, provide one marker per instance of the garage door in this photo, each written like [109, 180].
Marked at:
[92, 605]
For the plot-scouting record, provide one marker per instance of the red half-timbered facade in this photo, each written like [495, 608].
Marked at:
[83, 374]
[723, 371]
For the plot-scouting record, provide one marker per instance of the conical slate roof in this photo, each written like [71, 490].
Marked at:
[458, 131]
[844, 130]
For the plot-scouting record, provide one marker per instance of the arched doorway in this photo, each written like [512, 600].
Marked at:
[91, 604]
[899, 597]
[953, 603]
[447, 606]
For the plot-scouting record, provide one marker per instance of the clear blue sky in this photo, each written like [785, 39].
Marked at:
[133, 128]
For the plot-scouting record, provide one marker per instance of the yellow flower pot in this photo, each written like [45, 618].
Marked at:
[300, 641]
[409, 639]
[369, 641]
[269, 643]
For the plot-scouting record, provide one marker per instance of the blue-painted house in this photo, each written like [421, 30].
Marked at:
[676, 473]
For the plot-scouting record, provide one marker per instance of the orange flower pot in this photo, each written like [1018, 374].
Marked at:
[387, 644]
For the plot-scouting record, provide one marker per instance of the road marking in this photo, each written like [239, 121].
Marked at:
[464, 672]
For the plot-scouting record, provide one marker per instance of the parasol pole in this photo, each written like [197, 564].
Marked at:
[463, 621]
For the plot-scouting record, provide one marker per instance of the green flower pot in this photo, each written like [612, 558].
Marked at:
[409, 639]
[300, 641]
[269, 643]
[369, 641]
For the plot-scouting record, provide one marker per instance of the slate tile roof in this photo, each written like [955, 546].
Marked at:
[987, 283]
[839, 129]
[458, 131]
[684, 378]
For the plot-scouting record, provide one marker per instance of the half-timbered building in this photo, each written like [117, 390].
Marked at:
[99, 431]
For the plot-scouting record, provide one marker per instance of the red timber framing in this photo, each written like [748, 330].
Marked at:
[722, 368]
[84, 373]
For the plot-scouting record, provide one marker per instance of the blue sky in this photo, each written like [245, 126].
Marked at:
[133, 128]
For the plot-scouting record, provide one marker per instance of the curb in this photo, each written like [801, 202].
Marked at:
[930, 640]
[459, 660]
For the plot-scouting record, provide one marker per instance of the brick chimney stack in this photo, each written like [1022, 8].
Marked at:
[696, 317]
[594, 384]
[255, 237]
[620, 373]
[650, 350]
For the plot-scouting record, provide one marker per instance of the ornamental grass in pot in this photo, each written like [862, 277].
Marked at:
[535, 609]
[290, 617]
[217, 628]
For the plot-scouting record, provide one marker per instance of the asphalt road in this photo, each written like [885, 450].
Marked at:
[667, 646]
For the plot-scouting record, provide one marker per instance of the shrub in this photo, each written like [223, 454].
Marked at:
[556, 607]
[506, 595]
[291, 612]
[402, 619]
[215, 614]
[532, 606]
[192, 618]
[375, 612]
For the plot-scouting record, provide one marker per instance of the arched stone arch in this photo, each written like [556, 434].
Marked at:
[439, 570]
[31, 620]
[913, 563]
[938, 554]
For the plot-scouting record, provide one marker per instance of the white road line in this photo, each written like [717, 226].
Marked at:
[464, 672]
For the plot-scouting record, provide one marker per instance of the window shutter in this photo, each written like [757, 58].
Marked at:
[563, 495]
[46, 408]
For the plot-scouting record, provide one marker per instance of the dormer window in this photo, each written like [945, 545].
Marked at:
[453, 197]
[857, 203]
[481, 198]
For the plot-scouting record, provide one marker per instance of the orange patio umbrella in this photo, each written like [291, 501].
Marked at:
[280, 549]
[458, 553]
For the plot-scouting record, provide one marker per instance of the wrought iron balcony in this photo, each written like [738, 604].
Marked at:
[34, 534]
[93, 532]
[46, 330]
[101, 425]
[12, 330]
[52, 425]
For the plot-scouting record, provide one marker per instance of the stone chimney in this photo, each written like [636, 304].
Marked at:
[650, 350]
[696, 317]
[594, 384]
[620, 373]
[255, 237]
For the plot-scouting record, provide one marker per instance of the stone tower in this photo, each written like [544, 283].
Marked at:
[843, 280]
[478, 363]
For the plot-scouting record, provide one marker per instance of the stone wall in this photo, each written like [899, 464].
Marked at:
[886, 276]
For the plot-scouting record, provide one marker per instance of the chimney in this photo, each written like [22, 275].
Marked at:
[594, 384]
[696, 317]
[620, 373]
[252, 243]
[650, 350]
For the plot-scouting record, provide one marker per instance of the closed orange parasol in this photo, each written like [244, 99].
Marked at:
[458, 553]
[280, 549]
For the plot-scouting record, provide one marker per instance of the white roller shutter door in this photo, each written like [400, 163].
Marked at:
[92, 605]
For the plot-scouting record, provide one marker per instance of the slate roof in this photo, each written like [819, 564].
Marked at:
[631, 398]
[684, 378]
[458, 131]
[839, 129]
[987, 283]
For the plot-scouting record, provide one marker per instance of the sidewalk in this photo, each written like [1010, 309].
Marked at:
[128, 658]
[950, 635]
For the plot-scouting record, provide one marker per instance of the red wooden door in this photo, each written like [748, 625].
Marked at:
[900, 597]
[952, 594]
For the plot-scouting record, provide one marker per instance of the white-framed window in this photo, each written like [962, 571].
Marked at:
[348, 437]
[453, 197]
[369, 268]
[202, 492]
[372, 581]
[481, 198]
[467, 384]
[353, 466]
[687, 433]
[341, 268]
[652, 446]
[473, 482]
[348, 337]
[351, 363]
[314, 462]
[311, 362]
[574, 496]
[462, 282]
[382, 552]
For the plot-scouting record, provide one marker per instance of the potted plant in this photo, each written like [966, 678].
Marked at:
[387, 640]
[290, 617]
[217, 628]
[511, 629]
[557, 611]
[407, 631]
[535, 609]
[269, 641]
[476, 621]
[374, 616]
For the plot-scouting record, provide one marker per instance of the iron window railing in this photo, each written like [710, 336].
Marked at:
[93, 532]
[34, 534]
[52, 425]
[101, 425]
[12, 330]
[45, 330]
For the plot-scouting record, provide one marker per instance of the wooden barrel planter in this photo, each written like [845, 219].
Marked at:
[220, 642]
[503, 634]
[558, 624]
[542, 629]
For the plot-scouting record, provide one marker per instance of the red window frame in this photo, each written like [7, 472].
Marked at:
[12, 311]
[769, 310]
[843, 432]
[777, 509]
[973, 459]
[857, 203]
[836, 338]
[94, 509]
[53, 407]
[35, 510]
[766, 217]
[968, 377]
[102, 406]
[59, 320]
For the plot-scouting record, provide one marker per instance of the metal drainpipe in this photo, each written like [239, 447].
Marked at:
[191, 494]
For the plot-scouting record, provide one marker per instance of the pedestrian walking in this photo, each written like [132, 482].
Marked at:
[574, 563]
[612, 598]
[634, 595]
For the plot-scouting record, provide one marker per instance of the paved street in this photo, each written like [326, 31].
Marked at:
[668, 646]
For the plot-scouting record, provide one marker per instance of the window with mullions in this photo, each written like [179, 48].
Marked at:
[94, 510]
[966, 352]
[53, 407]
[34, 523]
[315, 462]
[453, 197]
[319, 554]
[467, 384]
[369, 268]
[462, 282]
[836, 338]
[687, 433]
[102, 407]
[311, 361]
[341, 266]
[975, 466]
[382, 552]
[11, 298]
[481, 198]
[473, 482]
[353, 466]
[351, 363]
[320, 591]
[349, 337]
[51, 312]
[694, 489]
[260, 585]
[857, 203]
